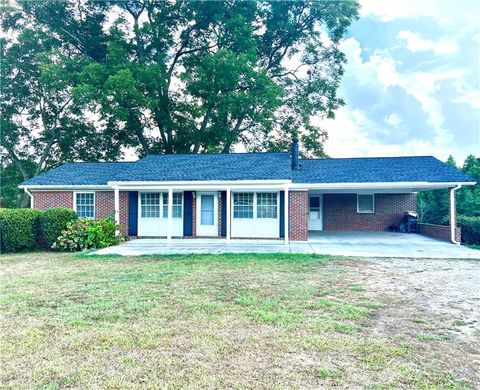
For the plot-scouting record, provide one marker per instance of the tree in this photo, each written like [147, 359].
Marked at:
[202, 76]
[42, 123]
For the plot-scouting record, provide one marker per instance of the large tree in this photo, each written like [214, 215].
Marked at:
[191, 76]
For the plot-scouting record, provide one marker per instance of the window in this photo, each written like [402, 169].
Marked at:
[177, 205]
[314, 212]
[207, 213]
[243, 205]
[266, 205]
[150, 205]
[365, 203]
[85, 204]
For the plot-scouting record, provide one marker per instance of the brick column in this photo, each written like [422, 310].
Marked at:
[298, 215]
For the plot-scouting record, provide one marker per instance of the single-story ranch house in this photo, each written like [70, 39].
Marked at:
[248, 195]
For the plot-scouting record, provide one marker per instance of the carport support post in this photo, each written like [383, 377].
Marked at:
[228, 206]
[453, 222]
[286, 223]
[170, 211]
[116, 193]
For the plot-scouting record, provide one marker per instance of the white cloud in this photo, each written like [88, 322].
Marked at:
[465, 13]
[415, 43]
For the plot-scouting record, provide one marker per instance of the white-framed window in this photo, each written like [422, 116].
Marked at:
[177, 209]
[243, 205]
[150, 205]
[266, 205]
[366, 203]
[85, 204]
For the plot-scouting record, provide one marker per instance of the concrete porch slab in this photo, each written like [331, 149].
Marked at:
[360, 244]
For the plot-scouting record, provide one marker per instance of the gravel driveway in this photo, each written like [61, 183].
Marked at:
[434, 301]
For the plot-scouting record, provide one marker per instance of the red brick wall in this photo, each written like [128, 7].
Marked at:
[104, 203]
[340, 212]
[43, 200]
[441, 232]
[298, 215]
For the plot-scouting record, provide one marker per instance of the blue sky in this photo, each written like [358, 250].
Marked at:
[412, 82]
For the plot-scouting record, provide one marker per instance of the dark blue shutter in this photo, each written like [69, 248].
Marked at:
[132, 213]
[282, 214]
[187, 213]
[224, 214]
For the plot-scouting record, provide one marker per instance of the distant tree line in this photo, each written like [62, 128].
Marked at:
[434, 206]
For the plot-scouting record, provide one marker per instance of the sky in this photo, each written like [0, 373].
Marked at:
[412, 81]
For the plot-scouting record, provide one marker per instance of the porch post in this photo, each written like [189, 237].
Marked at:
[286, 223]
[453, 222]
[170, 211]
[116, 193]
[229, 211]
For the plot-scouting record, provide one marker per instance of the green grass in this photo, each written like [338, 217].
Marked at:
[235, 321]
[474, 246]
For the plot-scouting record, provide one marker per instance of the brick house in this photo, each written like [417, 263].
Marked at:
[247, 195]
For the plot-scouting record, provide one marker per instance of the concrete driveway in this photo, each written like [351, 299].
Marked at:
[367, 244]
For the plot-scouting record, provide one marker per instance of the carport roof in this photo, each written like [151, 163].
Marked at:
[254, 167]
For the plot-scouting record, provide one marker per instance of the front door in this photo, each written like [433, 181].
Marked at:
[207, 214]
[315, 212]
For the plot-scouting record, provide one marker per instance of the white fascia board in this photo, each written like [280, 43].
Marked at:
[197, 182]
[65, 187]
[383, 185]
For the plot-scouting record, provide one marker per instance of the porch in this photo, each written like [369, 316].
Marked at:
[358, 244]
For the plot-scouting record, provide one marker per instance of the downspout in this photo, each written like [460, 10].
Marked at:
[31, 197]
[453, 222]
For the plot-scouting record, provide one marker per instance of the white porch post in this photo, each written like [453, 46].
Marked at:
[116, 193]
[286, 222]
[229, 212]
[170, 211]
[453, 222]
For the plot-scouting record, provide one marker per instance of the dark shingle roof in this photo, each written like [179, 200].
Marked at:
[83, 173]
[193, 167]
[377, 169]
[254, 166]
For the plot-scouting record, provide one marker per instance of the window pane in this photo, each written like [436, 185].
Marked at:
[314, 202]
[150, 205]
[266, 205]
[177, 205]
[85, 204]
[365, 203]
[207, 212]
[243, 205]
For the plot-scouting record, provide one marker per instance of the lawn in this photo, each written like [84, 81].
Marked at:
[227, 321]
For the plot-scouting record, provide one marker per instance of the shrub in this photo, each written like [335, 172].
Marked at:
[19, 229]
[85, 234]
[470, 229]
[53, 222]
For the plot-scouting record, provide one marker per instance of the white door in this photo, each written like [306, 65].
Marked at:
[207, 214]
[315, 212]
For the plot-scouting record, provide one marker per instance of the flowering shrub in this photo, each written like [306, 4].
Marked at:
[85, 234]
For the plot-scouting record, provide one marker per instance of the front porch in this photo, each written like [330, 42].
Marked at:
[355, 244]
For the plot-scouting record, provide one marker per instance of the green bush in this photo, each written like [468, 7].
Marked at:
[53, 222]
[19, 229]
[85, 234]
[470, 229]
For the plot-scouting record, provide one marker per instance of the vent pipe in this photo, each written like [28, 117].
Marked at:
[295, 163]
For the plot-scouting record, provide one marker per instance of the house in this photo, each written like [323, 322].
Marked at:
[248, 195]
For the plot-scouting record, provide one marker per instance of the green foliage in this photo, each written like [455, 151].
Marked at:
[85, 234]
[11, 196]
[53, 221]
[172, 77]
[19, 229]
[470, 229]
[434, 206]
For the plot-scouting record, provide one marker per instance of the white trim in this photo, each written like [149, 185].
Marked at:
[453, 222]
[229, 212]
[386, 185]
[373, 205]
[199, 182]
[116, 196]
[31, 197]
[94, 202]
[66, 187]
[286, 221]
[170, 213]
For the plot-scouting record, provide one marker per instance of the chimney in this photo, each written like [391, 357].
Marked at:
[295, 165]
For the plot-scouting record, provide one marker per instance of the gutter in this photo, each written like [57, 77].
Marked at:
[30, 195]
[453, 222]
